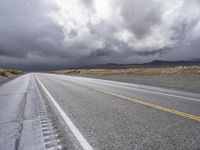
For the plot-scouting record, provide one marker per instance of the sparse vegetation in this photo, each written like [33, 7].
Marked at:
[5, 72]
[73, 72]
[66, 72]
[134, 71]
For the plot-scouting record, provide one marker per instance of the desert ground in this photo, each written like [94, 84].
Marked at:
[185, 78]
[9, 74]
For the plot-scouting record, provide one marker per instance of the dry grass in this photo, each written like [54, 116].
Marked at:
[134, 71]
[66, 72]
[5, 72]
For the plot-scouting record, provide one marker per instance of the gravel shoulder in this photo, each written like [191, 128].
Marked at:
[6, 79]
[184, 78]
[183, 82]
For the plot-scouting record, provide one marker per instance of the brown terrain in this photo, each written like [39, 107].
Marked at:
[8, 74]
[185, 78]
[134, 71]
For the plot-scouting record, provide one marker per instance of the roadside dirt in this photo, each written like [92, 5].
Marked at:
[6, 79]
[134, 71]
[179, 78]
[183, 82]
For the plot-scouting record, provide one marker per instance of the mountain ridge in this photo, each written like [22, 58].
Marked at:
[155, 63]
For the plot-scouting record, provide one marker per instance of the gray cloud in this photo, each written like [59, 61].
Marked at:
[161, 52]
[140, 16]
[101, 52]
[24, 29]
[43, 34]
[88, 2]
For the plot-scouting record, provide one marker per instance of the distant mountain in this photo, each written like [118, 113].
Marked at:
[172, 63]
[156, 63]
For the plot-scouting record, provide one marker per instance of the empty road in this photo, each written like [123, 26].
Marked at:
[46, 111]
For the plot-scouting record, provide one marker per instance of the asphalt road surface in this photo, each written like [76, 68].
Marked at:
[46, 111]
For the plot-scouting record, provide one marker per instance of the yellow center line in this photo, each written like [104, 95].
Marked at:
[155, 106]
[186, 115]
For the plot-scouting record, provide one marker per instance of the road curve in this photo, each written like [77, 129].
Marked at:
[96, 114]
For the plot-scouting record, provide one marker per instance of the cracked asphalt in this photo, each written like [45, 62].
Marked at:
[24, 119]
[109, 114]
[12, 102]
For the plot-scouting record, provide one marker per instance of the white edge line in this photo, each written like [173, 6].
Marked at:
[138, 89]
[155, 92]
[172, 95]
[83, 142]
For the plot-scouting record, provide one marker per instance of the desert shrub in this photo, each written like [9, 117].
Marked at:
[77, 71]
[3, 73]
[15, 72]
[72, 72]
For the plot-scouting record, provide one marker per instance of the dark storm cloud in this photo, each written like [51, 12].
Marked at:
[103, 56]
[108, 53]
[159, 52]
[185, 51]
[24, 28]
[140, 16]
[101, 52]
[50, 34]
[88, 2]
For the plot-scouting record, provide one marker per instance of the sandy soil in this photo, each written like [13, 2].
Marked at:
[6, 79]
[179, 78]
[183, 82]
[134, 71]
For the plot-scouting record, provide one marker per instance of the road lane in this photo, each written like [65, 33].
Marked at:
[109, 122]
[143, 88]
[83, 142]
[180, 101]
[108, 115]
[148, 89]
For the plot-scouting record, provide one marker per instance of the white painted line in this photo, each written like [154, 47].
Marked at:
[117, 84]
[150, 91]
[172, 95]
[83, 142]
[143, 90]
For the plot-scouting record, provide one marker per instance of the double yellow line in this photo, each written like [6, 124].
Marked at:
[155, 106]
[179, 113]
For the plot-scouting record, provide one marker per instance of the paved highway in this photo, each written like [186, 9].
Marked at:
[66, 112]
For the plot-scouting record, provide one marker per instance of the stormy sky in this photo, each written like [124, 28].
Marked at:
[56, 34]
